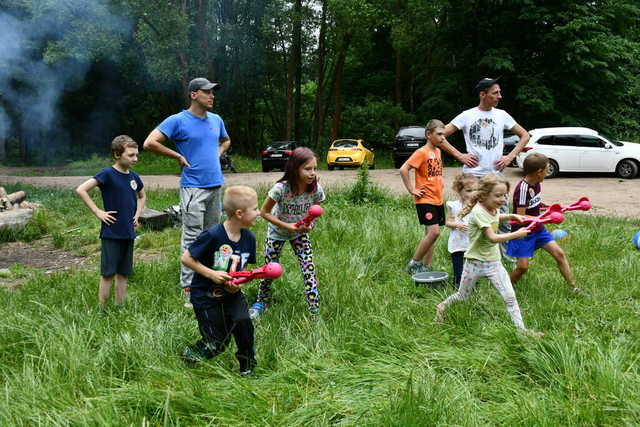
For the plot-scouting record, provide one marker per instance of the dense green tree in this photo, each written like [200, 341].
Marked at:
[312, 70]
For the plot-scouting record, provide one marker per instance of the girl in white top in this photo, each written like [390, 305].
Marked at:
[465, 185]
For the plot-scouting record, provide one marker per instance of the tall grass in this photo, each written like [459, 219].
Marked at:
[376, 358]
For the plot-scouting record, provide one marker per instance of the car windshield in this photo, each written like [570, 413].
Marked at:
[416, 132]
[345, 144]
[613, 141]
[285, 145]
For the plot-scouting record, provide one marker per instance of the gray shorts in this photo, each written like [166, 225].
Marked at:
[116, 257]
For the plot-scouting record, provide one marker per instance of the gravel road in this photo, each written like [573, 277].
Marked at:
[609, 195]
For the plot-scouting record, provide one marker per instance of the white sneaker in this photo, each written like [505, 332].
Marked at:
[186, 293]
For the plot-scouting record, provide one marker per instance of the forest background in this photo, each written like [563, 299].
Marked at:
[75, 73]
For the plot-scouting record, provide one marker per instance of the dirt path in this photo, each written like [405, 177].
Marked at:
[609, 195]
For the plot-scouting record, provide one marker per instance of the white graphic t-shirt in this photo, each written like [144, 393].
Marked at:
[483, 135]
[290, 208]
[458, 240]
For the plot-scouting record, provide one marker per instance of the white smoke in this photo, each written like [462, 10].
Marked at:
[45, 52]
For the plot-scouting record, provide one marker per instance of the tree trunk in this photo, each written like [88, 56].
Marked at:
[294, 74]
[297, 59]
[398, 78]
[398, 84]
[337, 88]
[318, 109]
[182, 57]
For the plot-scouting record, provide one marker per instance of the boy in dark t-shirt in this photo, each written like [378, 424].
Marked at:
[220, 307]
[123, 198]
[527, 201]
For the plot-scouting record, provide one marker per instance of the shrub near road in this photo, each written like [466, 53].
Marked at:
[376, 359]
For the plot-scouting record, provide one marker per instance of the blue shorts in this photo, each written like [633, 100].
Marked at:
[526, 246]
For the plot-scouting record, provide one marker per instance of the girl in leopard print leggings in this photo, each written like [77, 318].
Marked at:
[287, 202]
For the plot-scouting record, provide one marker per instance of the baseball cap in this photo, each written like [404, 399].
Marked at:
[202, 83]
[486, 83]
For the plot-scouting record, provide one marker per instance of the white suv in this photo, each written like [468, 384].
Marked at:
[576, 149]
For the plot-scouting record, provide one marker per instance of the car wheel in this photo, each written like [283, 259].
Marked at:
[553, 169]
[330, 167]
[627, 169]
[397, 163]
[265, 169]
[372, 166]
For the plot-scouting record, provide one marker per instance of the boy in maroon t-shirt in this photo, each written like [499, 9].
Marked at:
[527, 201]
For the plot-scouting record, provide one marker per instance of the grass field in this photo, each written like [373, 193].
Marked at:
[376, 358]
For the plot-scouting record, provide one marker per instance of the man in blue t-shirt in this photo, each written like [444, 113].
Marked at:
[200, 138]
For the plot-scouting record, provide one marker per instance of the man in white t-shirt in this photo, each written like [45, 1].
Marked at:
[483, 127]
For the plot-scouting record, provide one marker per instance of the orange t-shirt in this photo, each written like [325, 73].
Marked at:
[428, 170]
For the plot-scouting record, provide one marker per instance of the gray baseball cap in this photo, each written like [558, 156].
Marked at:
[202, 83]
[485, 84]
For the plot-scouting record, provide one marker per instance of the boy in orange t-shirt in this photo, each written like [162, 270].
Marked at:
[427, 192]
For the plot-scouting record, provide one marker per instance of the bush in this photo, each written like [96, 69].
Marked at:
[364, 192]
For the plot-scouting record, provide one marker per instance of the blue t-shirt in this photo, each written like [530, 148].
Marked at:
[197, 139]
[215, 250]
[119, 193]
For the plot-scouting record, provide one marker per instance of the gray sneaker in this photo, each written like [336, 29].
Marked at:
[416, 267]
[186, 294]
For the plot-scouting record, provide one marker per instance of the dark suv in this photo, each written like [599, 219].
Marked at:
[276, 154]
[408, 139]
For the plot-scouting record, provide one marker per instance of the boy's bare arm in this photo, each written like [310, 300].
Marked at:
[406, 180]
[218, 277]
[155, 143]
[511, 217]
[83, 192]
[142, 198]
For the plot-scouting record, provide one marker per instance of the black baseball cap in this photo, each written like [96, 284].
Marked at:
[485, 84]
[202, 83]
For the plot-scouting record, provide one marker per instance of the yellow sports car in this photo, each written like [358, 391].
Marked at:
[349, 152]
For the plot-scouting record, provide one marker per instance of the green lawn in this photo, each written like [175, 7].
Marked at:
[375, 359]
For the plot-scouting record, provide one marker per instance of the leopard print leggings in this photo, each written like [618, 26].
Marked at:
[301, 246]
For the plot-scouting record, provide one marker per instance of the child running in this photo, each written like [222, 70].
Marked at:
[220, 307]
[482, 259]
[427, 193]
[288, 201]
[123, 199]
[464, 184]
[526, 201]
